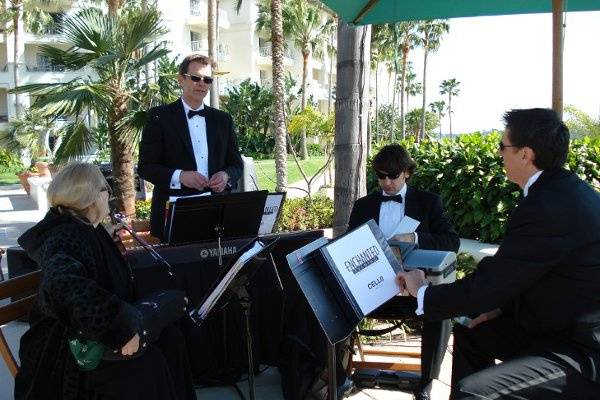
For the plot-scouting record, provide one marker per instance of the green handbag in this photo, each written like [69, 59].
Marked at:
[87, 353]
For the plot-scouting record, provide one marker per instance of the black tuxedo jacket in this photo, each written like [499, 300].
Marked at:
[167, 146]
[435, 230]
[546, 273]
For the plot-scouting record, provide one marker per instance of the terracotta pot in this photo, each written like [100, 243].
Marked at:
[42, 168]
[23, 178]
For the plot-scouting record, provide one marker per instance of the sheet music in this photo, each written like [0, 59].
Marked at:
[406, 225]
[175, 198]
[229, 276]
[272, 206]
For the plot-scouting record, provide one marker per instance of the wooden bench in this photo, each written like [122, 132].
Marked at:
[21, 288]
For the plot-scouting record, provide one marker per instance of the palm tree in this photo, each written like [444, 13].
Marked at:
[350, 128]
[114, 6]
[308, 33]
[450, 87]
[431, 32]
[413, 88]
[212, 47]
[438, 107]
[112, 46]
[408, 39]
[277, 41]
[35, 20]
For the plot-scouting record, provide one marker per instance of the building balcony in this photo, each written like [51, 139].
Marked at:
[199, 15]
[264, 56]
[50, 35]
[202, 47]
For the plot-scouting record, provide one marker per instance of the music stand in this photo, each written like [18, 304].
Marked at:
[233, 282]
[216, 217]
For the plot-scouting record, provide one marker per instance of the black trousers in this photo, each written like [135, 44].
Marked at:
[434, 339]
[532, 368]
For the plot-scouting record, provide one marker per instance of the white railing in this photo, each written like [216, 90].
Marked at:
[265, 51]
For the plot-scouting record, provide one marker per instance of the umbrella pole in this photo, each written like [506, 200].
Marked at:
[558, 8]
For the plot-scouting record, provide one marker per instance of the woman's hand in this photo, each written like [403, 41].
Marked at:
[486, 316]
[132, 346]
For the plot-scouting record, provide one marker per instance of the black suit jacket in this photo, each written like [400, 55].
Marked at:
[167, 146]
[546, 273]
[435, 230]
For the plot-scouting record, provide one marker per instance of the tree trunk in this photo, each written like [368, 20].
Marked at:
[422, 132]
[330, 95]
[394, 101]
[377, 99]
[212, 48]
[16, 32]
[450, 111]
[352, 103]
[122, 159]
[402, 89]
[303, 147]
[113, 7]
[279, 94]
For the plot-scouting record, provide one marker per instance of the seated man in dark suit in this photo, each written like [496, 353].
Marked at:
[538, 298]
[187, 147]
[387, 207]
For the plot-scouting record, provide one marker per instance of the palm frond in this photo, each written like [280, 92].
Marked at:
[77, 141]
[141, 29]
[154, 54]
[90, 30]
[71, 58]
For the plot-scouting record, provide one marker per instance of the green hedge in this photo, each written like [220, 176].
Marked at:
[9, 162]
[306, 213]
[467, 172]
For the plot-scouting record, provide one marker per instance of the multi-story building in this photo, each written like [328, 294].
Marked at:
[242, 52]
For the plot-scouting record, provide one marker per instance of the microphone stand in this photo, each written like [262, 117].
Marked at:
[120, 218]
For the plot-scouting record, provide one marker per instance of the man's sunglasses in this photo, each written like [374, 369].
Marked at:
[503, 146]
[197, 78]
[382, 176]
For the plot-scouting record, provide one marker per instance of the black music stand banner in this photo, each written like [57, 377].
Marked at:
[215, 217]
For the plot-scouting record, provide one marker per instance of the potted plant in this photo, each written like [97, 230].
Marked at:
[141, 223]
[24, 175]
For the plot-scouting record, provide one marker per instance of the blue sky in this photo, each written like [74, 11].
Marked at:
[506, 62]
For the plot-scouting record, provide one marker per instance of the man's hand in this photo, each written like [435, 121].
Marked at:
[218, 181]
[405, 237]
[193, 179]
[486, 316]
[132, 346]
[411, 281]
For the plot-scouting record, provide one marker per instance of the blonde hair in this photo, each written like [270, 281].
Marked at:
[76, 187]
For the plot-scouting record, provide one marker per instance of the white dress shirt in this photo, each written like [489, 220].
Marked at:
[391, 213]
[422, 289]
[197, 128]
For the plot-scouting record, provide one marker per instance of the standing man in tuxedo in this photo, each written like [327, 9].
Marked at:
[394, 168]
[538, 298]
[187, 147]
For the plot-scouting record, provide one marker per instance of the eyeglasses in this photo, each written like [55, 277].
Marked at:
[197, 78]
[109, 190]
[382, 175]
[503, 146]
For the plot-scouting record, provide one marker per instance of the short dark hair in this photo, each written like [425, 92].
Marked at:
[541, 130]
[393, 158]
[194, 57]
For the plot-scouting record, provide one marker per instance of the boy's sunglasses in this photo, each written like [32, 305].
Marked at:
[503, 146]
[197, 78]
[382, 176]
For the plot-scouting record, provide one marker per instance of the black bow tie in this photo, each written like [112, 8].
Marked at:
[200, 113]
[397, 198]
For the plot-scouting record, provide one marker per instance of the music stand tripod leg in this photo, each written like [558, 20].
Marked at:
[331, 367]
[246, 303]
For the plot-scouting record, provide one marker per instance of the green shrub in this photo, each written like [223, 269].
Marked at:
[306, 213]
[9, 162]
[256, 145]
[315, 150]
[142, 209]
[467, 172]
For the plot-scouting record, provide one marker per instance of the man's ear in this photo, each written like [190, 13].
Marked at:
[528, 154]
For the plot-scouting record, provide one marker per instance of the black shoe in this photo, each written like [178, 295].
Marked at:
[423, 395]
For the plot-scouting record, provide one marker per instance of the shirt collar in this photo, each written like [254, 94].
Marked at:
[401, 192]
[187, 108]
[530, 182]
